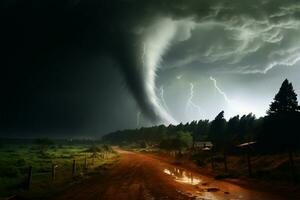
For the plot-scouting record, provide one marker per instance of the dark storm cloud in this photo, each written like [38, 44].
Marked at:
[240, 36]
[243, 36]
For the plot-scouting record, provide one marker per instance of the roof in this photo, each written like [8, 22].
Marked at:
[246, 144]
[203, 143]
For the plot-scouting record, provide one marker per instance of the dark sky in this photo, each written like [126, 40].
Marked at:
[87, 67]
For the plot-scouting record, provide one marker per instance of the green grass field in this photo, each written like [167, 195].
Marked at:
[16, 159]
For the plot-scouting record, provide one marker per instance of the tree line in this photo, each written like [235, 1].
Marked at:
[278, 131]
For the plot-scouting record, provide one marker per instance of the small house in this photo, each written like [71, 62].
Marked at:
[203, 145]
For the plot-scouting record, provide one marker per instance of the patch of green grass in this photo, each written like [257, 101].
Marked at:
[15, 161]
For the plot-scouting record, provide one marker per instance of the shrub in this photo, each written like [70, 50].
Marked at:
[9, 172]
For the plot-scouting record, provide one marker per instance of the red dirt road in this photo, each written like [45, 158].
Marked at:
[138, 176]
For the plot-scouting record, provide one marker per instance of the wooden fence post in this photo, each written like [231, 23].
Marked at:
[85, 163]
[212, 161]
[249, 162]
[225, 161]
[29, 177]
[74, 168]
[53, 172]
[248, 145]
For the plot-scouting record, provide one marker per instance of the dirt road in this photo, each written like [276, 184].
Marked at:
[138, 176]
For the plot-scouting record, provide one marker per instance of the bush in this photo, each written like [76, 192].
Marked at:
[9, 186]
[200, 163]
[219, 159]
[43, 144]
[94, 149]
[20, 162]
[9, 172]
[181, 141]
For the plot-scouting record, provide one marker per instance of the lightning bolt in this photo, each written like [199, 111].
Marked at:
[219, 90]
[236, 107]
[190, 102]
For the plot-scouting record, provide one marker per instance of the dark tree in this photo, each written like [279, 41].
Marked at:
[181, 140]
[217, 129]
[281, 126]
[246, 128]
[285, 100]
[218, 135]
[233, 129]
[192, 127]
[203, 127]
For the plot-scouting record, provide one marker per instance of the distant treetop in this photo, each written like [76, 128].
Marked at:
[285, 100]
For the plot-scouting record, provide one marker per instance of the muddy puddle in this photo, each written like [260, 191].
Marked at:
[182, 176]
[186, 177]
[209, 189]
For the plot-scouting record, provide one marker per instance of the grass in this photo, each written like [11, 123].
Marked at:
[16, 159]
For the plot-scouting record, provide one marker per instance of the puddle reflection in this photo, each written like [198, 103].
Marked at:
[182, 176]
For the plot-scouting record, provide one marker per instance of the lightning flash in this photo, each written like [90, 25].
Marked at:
[190, 102]
[219, 90]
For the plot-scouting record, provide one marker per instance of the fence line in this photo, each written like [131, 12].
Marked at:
[75, 170]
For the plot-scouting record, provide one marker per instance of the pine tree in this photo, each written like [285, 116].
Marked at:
[218, 129]
[285, 100]
[283, 122]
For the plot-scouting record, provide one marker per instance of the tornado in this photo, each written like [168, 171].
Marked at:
[140, 57]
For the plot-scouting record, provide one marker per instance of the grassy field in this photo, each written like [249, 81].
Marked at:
[16, 159]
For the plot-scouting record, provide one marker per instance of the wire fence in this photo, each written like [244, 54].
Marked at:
[63, 171]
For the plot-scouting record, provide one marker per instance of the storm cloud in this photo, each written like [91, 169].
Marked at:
[250, 36]
[237, 36]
